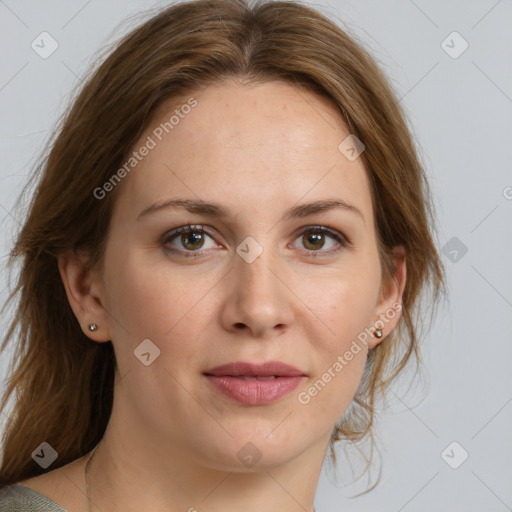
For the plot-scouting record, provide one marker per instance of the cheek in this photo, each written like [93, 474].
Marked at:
[339, 356]
[330, 392]
[341, 305]
[155, 301]
[150, 298]
[339, 309]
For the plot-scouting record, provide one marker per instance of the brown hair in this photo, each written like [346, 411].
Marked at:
[62, 381]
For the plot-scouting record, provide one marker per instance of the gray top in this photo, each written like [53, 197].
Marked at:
[20, 498]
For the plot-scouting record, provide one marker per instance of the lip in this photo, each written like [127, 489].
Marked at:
[265, 369]
[231, 381]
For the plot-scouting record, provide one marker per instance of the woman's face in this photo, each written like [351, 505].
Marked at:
[280, 264]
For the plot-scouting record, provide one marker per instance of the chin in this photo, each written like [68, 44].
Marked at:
[247, 452]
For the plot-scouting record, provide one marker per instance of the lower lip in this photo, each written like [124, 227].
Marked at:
[254, 392]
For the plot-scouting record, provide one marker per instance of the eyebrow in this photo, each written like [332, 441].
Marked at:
[218, 211]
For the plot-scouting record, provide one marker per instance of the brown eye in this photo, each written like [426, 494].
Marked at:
[192, 240]
[188, 239]
[313, 241]
[321, 240]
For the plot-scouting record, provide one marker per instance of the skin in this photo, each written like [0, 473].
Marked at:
[172, 440]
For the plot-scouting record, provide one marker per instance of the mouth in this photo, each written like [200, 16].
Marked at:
[268, 369]
[257, 377]
[254, 384]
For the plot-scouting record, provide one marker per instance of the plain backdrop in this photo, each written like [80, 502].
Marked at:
[457, 91]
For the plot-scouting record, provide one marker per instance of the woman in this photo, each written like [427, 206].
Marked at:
[224, 257]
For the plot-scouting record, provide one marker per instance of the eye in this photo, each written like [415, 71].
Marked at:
[321, 239]
[193, 240]
[189, 239]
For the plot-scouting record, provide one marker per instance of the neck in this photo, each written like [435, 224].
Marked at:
[124, 476]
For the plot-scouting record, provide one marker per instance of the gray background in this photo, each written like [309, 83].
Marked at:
[460, 111]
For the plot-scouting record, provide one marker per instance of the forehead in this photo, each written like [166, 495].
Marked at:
[270, 142]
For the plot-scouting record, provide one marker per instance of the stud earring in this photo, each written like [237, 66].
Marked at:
[378, 333]
[93, 327]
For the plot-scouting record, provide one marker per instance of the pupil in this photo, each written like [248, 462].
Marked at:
[190, 240]
[315, 240]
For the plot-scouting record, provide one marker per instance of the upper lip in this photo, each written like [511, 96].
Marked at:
[265, 369]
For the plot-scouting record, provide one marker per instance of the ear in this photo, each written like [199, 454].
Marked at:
[389, 306]
[84, 291]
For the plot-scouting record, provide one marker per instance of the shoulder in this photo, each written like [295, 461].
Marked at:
[20, 498]
[58, 490]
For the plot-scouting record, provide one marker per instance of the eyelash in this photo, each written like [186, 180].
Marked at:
[326, 230]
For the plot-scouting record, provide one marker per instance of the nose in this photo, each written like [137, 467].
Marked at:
[257, 300]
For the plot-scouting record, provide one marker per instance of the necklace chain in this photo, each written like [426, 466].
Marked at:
[87, 465]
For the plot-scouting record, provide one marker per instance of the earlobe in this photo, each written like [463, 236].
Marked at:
[390, 301]
[82, 290]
